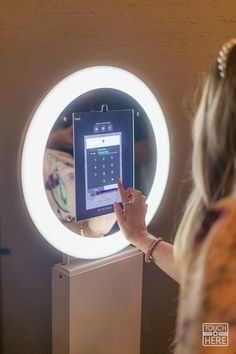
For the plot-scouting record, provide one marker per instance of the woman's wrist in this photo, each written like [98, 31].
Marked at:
[144, 242]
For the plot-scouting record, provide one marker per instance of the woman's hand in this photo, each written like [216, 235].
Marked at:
[132, 224]
[131, 219]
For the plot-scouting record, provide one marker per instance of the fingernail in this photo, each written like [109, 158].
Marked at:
[115, 204]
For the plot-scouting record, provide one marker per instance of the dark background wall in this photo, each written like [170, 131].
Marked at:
[168, 44]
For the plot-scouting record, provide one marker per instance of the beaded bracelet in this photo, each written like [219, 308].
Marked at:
[148, 257]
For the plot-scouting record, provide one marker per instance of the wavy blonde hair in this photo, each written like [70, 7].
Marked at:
[214, 154]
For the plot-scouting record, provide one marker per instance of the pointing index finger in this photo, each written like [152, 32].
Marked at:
[122, 192]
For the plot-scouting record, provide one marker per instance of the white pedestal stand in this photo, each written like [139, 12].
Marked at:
[96, 305]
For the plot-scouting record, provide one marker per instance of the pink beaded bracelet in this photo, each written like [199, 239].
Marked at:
[148, 257]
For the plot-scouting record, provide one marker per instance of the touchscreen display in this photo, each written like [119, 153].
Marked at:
[103, 152]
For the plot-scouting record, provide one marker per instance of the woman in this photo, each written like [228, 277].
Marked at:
[203, 258]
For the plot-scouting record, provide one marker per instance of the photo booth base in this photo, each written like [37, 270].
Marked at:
[96, 305]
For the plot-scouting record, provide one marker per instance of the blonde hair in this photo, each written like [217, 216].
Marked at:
[214, 154]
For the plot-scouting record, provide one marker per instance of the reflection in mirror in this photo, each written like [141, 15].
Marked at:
[59, 161]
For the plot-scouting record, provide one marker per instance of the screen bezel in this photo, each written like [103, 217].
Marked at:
[87, 121]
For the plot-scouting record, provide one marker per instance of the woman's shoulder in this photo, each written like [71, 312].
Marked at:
[219, 282]
[221, 241]
[221, 238]
[208, 294]
[220, 219]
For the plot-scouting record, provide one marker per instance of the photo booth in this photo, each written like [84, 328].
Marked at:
[96, 289]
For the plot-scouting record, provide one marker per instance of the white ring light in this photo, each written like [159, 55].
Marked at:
[39, 129]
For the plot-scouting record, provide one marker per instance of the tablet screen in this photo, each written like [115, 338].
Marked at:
[103, 153]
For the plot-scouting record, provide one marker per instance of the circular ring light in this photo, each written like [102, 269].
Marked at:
[35, 141]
